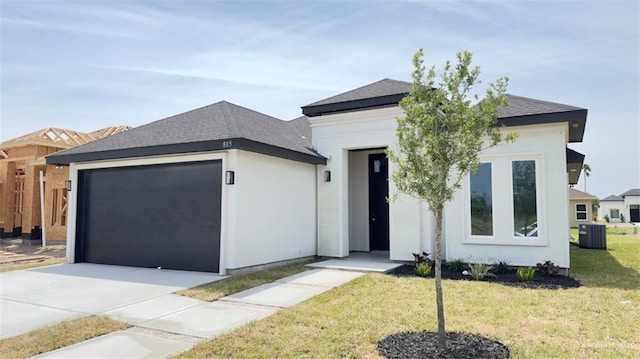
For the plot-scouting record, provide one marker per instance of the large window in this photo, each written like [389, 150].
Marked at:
[525, 210]
[615, 213]
[581, 212]
[481, 201]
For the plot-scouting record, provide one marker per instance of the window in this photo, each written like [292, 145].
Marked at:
[481, 201]
[615, 213]
[525, 209]
[581, 212]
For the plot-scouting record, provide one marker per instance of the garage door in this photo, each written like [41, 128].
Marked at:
[151, 216]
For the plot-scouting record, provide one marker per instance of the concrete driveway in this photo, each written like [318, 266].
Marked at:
[34, 298]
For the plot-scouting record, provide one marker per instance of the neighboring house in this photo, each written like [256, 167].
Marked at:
[632, 205]
[580, 207]
[223, 188]
[611, 207]
[21, 161]
[625, 207]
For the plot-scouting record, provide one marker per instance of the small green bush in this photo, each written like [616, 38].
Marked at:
[480, 270]
[423, 269]
[502, 266]
[525, 274]
[456, 265]
[422, 258]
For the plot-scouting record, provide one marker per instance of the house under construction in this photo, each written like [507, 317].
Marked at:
[21, 162]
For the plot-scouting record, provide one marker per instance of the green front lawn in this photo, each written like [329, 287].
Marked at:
[598, 320]
[57, 336]
[222, 288]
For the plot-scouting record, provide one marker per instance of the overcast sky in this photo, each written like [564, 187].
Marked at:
[85, 65]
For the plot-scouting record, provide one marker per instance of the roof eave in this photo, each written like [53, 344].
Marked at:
[576, 120]
[380, 101]
[191, 147]
[574, 165]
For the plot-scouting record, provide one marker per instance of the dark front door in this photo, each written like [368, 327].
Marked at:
[164, 216]
[634, 213]
[378, 205]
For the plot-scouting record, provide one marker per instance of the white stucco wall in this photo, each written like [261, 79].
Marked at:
[546, 144]
[605, 209]
[333, 137]
[573, 221]
[271, 210]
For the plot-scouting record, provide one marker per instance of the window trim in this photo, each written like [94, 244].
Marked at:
[586, 212]
[611, 214]
[501, 166]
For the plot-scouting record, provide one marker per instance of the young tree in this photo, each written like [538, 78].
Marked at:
[444, 128]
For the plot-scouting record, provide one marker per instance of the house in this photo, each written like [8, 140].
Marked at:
[580, 207]
[632, 204]
[610, 208]
[224, 188]
[622, 208]
[21, 162]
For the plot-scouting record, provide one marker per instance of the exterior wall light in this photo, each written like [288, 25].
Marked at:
[230, 177]
[327, 176]
[68, 185]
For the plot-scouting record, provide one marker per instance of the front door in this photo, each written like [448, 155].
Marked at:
[378, 205]
[634, 213]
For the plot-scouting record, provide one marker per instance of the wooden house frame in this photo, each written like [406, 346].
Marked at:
[21, 161]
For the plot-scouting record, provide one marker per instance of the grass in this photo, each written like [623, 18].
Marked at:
[57, 336]
[598, 320]
[228, 286]
[27, 265]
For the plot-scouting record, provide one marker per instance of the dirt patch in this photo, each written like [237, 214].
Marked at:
[12, 253]
[408, 345]
[507, 278]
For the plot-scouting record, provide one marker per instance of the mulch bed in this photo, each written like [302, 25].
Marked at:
[507, 278]
[409, 345]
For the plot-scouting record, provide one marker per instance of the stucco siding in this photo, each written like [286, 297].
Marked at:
[271, 210]
[334, 136]
[546, 145]
[573, 216]
[607, 206]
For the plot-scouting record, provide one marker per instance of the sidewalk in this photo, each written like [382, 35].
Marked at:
[170, 324]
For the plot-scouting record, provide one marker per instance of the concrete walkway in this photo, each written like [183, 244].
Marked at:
[169, 324]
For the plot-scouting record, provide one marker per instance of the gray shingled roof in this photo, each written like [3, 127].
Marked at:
[384, 87]
[524, 106]
[219, 121]
[518, 105]
[631, 192]
[612, 198]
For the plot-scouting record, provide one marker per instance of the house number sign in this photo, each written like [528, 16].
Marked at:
[227, 144]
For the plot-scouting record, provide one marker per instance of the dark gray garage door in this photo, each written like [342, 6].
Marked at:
[151, 216]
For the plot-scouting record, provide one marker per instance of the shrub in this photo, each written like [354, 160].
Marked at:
[422, 258]
[547, 268]
[456, 265]
[480, 270]
[423, 269]
[502, 266]
[606, 218]
[525, 274]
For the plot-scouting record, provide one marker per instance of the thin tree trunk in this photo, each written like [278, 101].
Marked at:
[438, 281]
